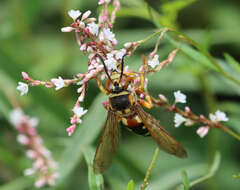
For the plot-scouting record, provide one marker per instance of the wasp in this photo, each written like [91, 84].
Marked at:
[126, 107]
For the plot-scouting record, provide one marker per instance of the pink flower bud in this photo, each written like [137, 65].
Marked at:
[128, 45]
[80, 75]
[114, 42]
[203, 131]
[142, 95]
[70, 130]
[163, 98]
[83, 47]
[86, 30]
[25, 76]
[67, 29]
[187, 109]
[105, 104]
[40, 182]
[100, 2]
[151, 54]
[86, 15]
[105, 18]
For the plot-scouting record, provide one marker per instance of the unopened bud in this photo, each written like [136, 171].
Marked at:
[163, 98]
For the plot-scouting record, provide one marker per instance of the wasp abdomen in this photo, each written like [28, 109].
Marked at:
[134, 123]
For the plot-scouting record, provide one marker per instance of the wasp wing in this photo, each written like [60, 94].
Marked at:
[164, 140]
[108, 144]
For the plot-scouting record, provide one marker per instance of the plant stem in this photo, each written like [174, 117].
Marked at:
[145, 182]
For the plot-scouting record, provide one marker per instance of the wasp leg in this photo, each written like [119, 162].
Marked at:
[141, 88]
[130, 77]
[147, 103]
[101, 86]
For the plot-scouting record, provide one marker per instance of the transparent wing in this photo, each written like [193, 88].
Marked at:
[164, 140]
[108, 144]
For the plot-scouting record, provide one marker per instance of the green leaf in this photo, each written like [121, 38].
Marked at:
[18, 184]
[185, 180]
[95, 181]
[235, 65]
[215, 165]
[170, 11]
[212, 170]
[84, 135]
[130, 185]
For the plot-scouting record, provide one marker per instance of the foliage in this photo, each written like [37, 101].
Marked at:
[206, 69]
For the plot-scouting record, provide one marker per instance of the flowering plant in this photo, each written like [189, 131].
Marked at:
[97, 40]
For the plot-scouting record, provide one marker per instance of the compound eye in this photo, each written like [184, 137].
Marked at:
[116, 84]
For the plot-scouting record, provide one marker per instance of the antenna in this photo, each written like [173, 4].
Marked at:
[122, 64]
[105, 67]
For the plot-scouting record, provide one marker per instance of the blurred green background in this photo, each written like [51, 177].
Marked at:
[31, 41]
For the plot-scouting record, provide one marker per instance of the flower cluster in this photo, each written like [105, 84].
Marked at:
[95, 38]
[44, 166]
[188, 118]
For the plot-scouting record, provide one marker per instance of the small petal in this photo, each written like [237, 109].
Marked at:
[213, 117]
[79, 111]
[16, 116]
[74, 14]
[31, 154]
[179, 97]
[59, 83]
[178, 120]
[29, 171]
[93, 28]
[22, 139]
[203, 131]
[154, 62]
[120, 53]
[111, 63]
[221, 116]
[67, 29]
[108, 34]
[40, 182]
[33, 122]
[23, 88]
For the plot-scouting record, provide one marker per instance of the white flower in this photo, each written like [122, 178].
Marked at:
[74, 14]
[67, 29]
[16, 116]
[79, 112]
[59, 83]
[22, 139]
[29, 171]
[178, 120]
[108, 34]
[93, 28]
[109, 55]
[23, 88]
[219, 116]
[154, 62]
[31, 154]
[33, 122]
[179, 97]
[111, 63]
[120, 53]
[203, 131]
[40, 182]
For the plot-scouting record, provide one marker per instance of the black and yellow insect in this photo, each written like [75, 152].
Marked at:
[125, 106]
